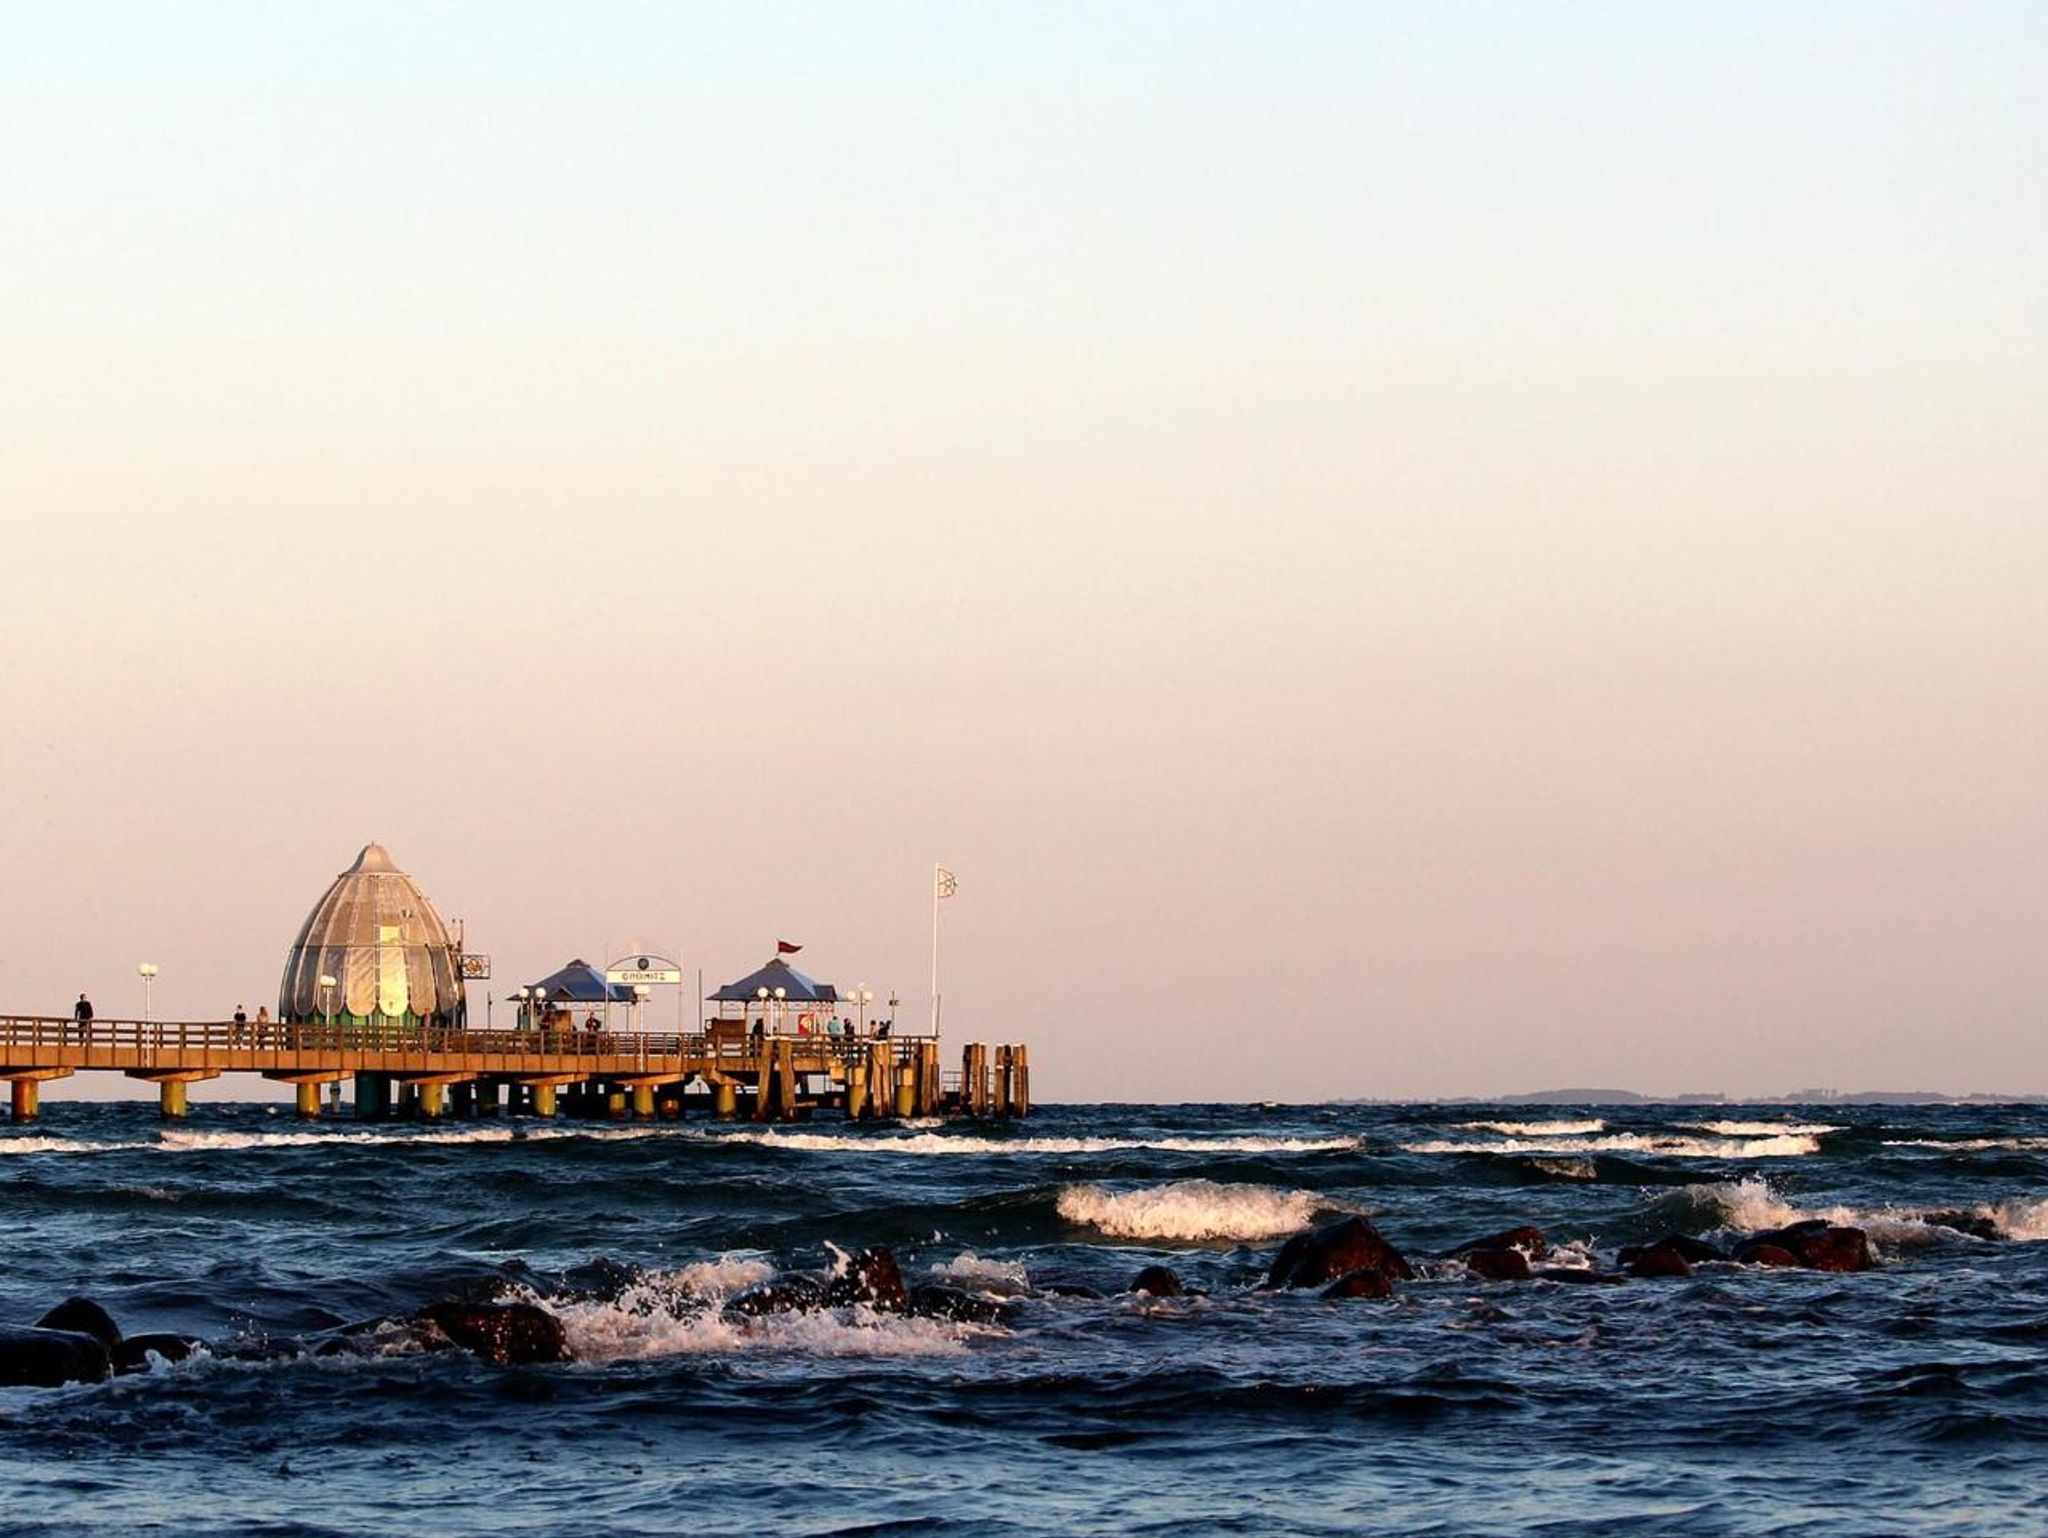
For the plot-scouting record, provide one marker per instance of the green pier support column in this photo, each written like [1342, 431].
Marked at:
[543, 1100]
[643, 1102]
[27, 1099]
[487, 1103]
[433, 1100]
[373, 1096]
[309, 1101]
[170, 1099]
[462, 1099]
[725, 1101]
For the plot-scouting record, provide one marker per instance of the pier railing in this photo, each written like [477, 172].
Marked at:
[26, 1037]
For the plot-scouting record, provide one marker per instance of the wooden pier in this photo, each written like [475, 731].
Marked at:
[725, 1072]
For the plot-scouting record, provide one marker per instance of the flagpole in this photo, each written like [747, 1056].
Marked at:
[935, 953]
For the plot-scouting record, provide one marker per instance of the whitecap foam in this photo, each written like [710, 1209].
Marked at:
[1663, 1146]
[968, 1269]
[1762, 1128]
[1751, 1206]
[1191, 1209]
[186, 1141]
[2019, 1218]
[1535, 1128]
[34, 1145]
[932, 1143]
[1973, 1144]
[680, 1314]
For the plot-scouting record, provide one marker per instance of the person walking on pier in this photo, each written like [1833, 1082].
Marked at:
[81, 1012]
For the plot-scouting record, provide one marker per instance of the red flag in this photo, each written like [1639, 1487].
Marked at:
[784, 948]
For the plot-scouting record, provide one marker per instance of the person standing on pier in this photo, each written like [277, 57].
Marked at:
[82, 1013]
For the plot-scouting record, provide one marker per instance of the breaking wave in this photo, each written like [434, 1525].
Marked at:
[1191, 1209]
[938, 1143]
[1762, 1128]
[1664, 1146]
[33, 1145]
[1535, 1128]
[1751, 1205]
[681, 1313]
[180, 1140]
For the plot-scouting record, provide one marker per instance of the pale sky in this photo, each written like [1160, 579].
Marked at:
[1397, 550]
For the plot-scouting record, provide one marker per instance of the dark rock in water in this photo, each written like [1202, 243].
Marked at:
[794, 1294]
[1654, 1260]
[1767, 1255]
[934, 1300]
[870, 1276]
[1693, 1251]
[1835, 1249]
[1575, 1276]
[40, 1358]
[1362, 1283]
[1528, 1239]
[1158, 1281]
[1319, 1256]
[1813, 1244]
[82, 1316]
[1498, 1265]
[133, 1354]
[504, 1334]
[1975, 1224]
[1071, 1290]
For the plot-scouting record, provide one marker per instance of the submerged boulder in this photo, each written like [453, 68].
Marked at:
[1773, 1255]
[133, 1354]
[1502, 1265]
[1318, 1256]
[1657, 1260]
[1362, 1283]
[1814, 1244]
[503, 1334]
[935, 1300]
[792, 1294]
[869, 1276]
[82, 1316]
[1977, 1225]
[34, 1357]
[1159, 1281]
[1528, 1239]
[1685, 1246]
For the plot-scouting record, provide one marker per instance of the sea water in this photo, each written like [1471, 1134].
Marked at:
[1910, 1399]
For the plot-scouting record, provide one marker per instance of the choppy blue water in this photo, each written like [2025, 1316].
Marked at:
[1913, 1399]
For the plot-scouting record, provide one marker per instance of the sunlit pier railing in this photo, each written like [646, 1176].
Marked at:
[775, 1074]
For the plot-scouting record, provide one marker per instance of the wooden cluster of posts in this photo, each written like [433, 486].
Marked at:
[725, 1071]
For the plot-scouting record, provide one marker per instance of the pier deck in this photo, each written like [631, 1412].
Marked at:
[617, 1073]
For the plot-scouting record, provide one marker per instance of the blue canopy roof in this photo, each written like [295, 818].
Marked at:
[581, 983]
[777, 974]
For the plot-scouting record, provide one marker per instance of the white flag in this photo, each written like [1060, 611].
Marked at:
[945, 882]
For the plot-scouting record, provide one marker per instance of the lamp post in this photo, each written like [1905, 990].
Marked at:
[781, 1023]
[327, 987]
[640, 993]
[147, 971]
[522, 993]
[893, 1002]
[862, 998]
[761, 993]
